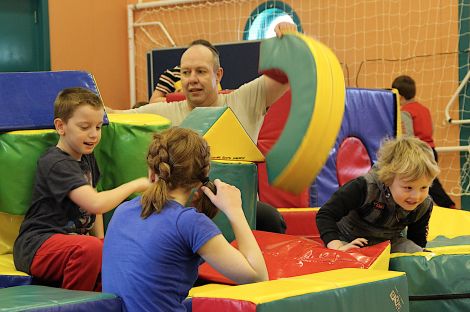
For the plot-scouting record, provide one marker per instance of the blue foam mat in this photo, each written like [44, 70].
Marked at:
[27, 98]
[370, 115]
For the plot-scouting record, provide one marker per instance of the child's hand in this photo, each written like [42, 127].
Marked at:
[343, 246]
[357, 243]
[141, 184]
[228, 198]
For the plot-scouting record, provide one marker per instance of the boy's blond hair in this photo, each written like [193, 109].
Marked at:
[408, 157]
[69, 99]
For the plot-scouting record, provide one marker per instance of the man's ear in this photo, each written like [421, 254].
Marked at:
[219, 74]
[59, 126]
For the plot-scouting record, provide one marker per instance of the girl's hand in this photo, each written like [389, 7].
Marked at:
[228, 198]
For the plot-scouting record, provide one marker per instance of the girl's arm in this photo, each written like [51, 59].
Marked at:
[245, 265]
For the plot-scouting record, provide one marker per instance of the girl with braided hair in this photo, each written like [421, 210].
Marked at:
[154, 244]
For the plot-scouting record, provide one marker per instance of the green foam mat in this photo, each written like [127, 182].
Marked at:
[42, 298]
[245, 177]
[438, 280]
[19, 152]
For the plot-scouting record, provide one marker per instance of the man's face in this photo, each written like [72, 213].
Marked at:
[198, 76]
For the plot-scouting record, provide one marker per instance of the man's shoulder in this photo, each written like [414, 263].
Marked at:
[247, 89]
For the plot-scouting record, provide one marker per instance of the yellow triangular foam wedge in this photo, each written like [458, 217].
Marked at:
[226, 136]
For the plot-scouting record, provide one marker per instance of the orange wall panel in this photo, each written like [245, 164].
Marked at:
[92, 36]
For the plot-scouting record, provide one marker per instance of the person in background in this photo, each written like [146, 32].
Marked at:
[201, 73]
[378, 206]
[421, 127]
[154, 243]
[168, 82]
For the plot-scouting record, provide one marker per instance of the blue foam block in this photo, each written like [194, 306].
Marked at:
[371, 116]
[27, 99]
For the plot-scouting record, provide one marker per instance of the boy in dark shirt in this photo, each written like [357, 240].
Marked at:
[54, 244]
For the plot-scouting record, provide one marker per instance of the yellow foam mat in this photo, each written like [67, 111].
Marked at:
[263, 292]
[436, 251]
[139, 119]
[200, 291]
[31, 132]
[229, 141]
[398, 124]
[9, 228]
[7, 267]
[449, 223]
[383, 260]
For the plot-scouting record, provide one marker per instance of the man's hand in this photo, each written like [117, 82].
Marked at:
[284, 28]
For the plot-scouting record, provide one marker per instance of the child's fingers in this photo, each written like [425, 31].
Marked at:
[208, 193]
[359, 242]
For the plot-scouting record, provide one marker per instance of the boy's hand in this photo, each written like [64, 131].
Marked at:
[357, 243]
[339, 245]
[141, 184]
[228, 198]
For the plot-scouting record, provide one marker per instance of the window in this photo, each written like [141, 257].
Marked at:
[265, 17]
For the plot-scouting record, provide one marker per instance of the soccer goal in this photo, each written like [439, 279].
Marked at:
[374, 40]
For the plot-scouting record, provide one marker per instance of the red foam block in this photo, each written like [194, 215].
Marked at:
[288, 256]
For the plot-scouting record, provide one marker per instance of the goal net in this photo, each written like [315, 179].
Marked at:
[374, 40]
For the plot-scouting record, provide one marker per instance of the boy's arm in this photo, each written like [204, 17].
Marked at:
[98, 227]
[95, 202]
[418, 231]
[348, 197]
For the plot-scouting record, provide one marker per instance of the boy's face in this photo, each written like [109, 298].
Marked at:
[409, 194]
[82, 132]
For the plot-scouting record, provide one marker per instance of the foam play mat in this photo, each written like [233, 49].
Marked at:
[352, 290]
[288, 256]
[27, 98]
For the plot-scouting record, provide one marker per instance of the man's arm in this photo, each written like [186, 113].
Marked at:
[274, 90]
[166, 84]
[151, 108]
[157, 96]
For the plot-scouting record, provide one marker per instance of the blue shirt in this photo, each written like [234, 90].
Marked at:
[152, 263]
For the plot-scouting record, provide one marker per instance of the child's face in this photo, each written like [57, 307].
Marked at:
[82, 132]
[409, 194]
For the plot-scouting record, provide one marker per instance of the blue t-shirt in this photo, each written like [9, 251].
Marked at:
[152, 263]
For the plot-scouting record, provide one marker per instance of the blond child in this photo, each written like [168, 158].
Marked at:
[54, 244]
[378, 206]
